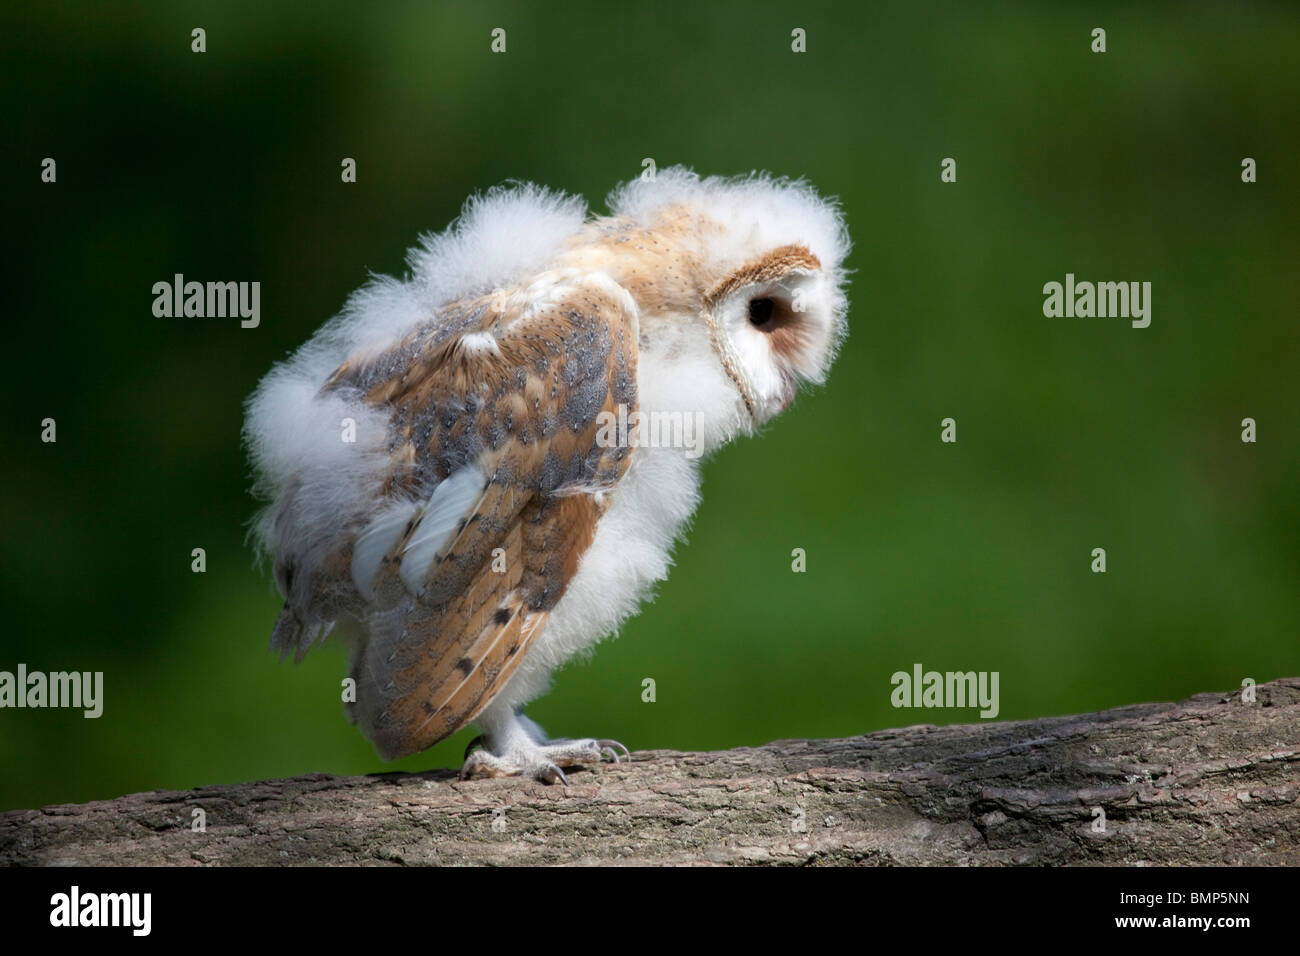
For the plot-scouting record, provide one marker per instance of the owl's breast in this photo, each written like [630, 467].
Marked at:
[630, 552]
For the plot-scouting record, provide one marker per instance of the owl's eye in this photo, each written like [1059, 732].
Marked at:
[760, 311]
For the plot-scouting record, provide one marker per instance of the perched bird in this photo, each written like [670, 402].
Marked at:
[478, 472]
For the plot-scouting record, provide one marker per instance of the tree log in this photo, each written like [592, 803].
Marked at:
[1212, 780]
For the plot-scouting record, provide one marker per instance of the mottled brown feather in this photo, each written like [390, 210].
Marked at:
[526, 413]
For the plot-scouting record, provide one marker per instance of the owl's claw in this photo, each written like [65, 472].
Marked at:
[550, 773]
[612, 747]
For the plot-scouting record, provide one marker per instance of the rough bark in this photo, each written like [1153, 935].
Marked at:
[1211, 780]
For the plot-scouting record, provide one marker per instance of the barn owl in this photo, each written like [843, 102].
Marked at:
[477, 472]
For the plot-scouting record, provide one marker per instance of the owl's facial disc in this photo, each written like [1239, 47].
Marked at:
[773, 328]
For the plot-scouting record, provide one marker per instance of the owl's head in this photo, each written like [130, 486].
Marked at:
[753, 266]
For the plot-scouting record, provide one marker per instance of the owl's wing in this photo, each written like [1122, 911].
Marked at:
[502, 461]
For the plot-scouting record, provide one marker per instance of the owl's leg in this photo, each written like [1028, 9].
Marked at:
[513, 746]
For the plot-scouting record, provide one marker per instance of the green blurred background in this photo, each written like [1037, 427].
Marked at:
[1073, 433]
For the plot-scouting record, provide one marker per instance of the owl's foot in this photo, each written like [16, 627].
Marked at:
[521, 755]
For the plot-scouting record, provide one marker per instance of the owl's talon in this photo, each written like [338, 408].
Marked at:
[476, 742]
[612, 747]
[550, 773]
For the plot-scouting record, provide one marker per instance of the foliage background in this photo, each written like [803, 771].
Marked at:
[1073, 433]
